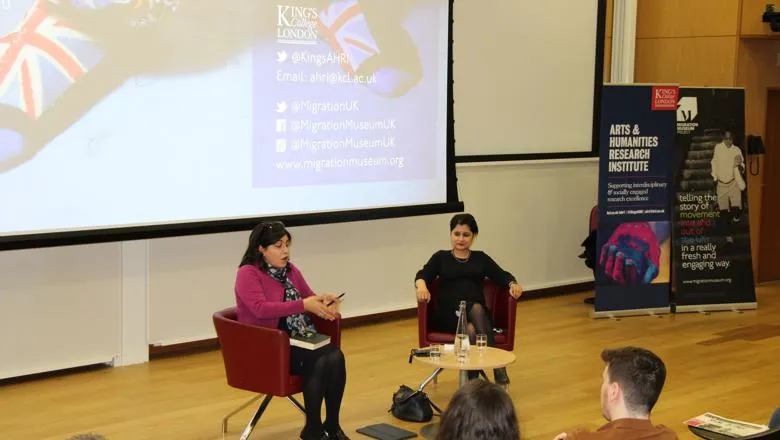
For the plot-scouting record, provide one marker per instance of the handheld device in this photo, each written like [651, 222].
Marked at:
[337, 298]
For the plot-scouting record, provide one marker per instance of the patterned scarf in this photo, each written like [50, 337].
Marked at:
[298, 324]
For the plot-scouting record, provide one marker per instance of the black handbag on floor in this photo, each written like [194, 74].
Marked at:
[412, 405]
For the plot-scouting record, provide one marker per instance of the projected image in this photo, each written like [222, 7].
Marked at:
[148, 100]
[41, 57]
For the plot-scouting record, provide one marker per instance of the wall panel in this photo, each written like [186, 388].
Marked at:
[686, 18]
[695, 61]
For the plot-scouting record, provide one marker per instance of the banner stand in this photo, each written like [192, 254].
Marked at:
[706, 308]
[636, 146]
[612, 314]
[712, 259]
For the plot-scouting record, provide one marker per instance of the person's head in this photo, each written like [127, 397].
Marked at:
[269, 242]
[728, 140]
[463, 231]
[480, 410]
[632, 382]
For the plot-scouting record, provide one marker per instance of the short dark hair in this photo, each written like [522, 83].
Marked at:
[265, 234]
[640, 373]
[480, 410]
[466, 220]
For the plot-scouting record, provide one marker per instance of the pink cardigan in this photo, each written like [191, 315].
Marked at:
[260, 298]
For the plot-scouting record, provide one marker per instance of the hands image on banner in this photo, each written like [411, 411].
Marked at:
[632, 255]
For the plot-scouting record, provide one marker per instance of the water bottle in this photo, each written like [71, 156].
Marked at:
[461, 335]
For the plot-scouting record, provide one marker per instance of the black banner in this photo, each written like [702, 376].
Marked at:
[712, 263]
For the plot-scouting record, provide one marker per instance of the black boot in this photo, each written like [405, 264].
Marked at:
[501, 377]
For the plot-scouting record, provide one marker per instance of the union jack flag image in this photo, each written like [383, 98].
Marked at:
[40, 57]
[344, 27]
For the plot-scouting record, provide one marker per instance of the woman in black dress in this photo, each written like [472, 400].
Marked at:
[461, 273]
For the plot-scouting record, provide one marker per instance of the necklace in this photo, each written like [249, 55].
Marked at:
[461, 260]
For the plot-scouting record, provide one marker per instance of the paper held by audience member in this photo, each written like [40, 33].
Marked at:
[722, 425]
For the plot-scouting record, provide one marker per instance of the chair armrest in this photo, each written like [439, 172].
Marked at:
[330, 328]
[511, 319]
[422, 324]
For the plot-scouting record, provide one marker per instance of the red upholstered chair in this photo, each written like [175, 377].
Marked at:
[257, 359]
[593, 219]
[502, 305]
[503, 308]
[593, 225]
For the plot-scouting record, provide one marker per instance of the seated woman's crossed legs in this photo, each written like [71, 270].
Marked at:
[479, 323]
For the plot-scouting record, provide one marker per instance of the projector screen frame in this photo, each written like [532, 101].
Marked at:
[133, 233]
[598, 83]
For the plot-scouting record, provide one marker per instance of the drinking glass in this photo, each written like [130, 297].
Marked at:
[436, 350]
[481, 343]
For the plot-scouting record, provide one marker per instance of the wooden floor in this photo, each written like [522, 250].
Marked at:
[724, 362]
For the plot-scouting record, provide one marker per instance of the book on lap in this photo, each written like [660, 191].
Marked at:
[312, 343]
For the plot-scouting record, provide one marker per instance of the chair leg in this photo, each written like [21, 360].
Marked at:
[236, 411]
[256, 417]
[297, 404]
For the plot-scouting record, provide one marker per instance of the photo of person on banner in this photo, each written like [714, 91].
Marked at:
[635, 253]
[728, 164]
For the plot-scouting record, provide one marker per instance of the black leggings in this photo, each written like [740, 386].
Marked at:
[324, 377]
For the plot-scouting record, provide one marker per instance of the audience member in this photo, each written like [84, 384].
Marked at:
[480, 410]
[632, 382]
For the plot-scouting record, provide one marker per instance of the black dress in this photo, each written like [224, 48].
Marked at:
[460, 280]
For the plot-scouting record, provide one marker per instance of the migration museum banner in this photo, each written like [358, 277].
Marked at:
[712, 267]
[635, 175]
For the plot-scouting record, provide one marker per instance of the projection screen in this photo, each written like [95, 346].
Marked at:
[141, 115]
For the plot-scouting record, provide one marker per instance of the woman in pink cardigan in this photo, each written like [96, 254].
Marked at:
[271, 292]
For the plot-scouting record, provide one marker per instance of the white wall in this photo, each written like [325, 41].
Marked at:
[59, 307]
[70, 306]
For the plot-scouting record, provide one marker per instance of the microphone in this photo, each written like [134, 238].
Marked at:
[419, 352]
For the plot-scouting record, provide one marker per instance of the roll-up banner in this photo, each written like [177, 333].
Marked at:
[635, 191]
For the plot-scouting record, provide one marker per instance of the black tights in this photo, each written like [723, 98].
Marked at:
[325, 380]
[479, 323]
